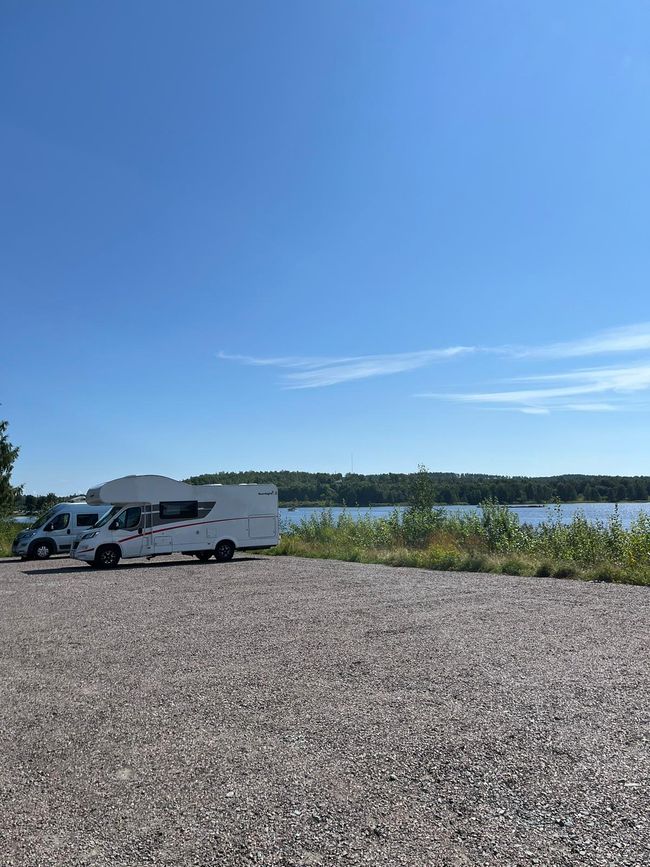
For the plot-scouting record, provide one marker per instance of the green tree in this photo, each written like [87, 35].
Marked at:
[423, 493]
[447, 496]
[47, 502]
[8, 455]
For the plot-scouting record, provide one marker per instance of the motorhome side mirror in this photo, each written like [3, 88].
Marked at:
[113, 525]
[49, 528]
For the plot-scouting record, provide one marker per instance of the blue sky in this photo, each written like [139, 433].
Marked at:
[253, 235]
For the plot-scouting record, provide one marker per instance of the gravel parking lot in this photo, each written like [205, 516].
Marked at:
[306, 712]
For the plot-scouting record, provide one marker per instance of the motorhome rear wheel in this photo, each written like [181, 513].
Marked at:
[224, 551]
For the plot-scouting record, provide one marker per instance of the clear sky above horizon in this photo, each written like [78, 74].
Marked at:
[260, 236]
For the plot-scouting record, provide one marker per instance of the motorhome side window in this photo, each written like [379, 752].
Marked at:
[59, 522]
[179, 511]
[87, 520]
[129, 519]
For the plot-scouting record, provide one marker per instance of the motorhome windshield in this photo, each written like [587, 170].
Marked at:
[42, 521]
[109, 516]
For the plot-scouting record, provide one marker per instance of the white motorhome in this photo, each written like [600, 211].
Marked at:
[153, 515]
[56, 531]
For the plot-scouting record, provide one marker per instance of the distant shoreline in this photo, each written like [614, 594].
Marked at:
[310, 504]
[315, 504]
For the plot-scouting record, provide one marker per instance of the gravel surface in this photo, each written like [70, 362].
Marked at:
[278, 711]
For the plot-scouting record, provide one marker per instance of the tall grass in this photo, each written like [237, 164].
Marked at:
[8, 532]
[492, 540]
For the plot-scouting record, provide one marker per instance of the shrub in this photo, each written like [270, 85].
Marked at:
[564, 571]
[8, 532]
[501, 528]
[606, 574]
[513, 567]
[438, 557]
[418, 525]
[434, 539]
[474, 563]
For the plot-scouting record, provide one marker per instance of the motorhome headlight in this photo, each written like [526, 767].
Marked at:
[89, 535]
[26, 534]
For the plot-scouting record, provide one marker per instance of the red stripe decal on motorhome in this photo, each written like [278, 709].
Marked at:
[193, 524]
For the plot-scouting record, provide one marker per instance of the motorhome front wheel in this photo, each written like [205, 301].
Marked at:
[41, 550]
[107, 557]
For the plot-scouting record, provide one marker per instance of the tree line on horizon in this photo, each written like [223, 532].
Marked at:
[355, 489]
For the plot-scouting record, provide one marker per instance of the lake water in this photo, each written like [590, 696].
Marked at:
[527, 514]
[533, 515]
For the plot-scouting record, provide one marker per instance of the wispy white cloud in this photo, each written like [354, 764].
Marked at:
[633, 377]
[630, 338]
[591, 407]
[616, 382]
[282, 361]
[306, 372]
[300, 372]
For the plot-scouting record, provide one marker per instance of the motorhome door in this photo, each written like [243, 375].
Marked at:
[59, 529]
[128, 531]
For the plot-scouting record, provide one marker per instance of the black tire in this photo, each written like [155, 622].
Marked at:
[204, 556]
[41, 550]
[224, 550]
[107, 557]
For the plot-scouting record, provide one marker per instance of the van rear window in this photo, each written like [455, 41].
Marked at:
[181, 510]
[88, 520]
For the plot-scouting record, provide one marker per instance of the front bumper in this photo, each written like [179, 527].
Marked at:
[19, 547]
[83, 552]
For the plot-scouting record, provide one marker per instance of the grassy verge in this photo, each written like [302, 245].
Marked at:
[492, 541]
[8, 532]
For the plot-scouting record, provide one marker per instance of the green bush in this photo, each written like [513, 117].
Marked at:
[8, 532]
[513, 567]
[606, 574]
[564, 572]
[437, 557]
[492, 540]
[501, 528]
[474, 563]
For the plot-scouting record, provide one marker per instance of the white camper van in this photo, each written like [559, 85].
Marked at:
[56, 531]
[154, 515]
